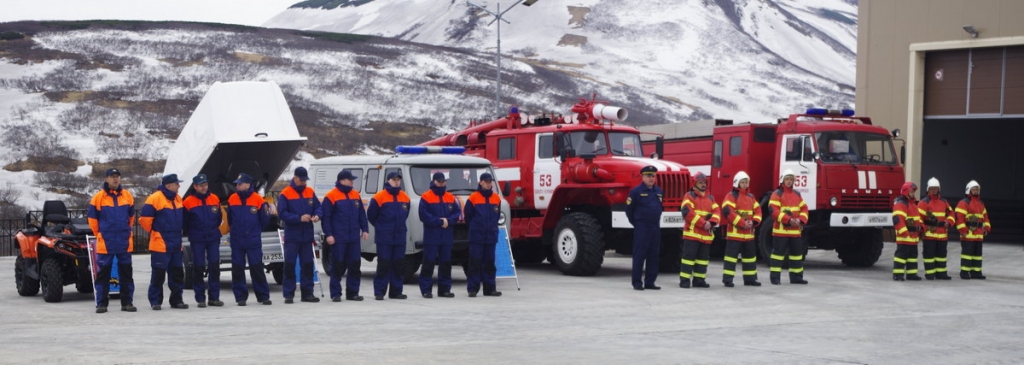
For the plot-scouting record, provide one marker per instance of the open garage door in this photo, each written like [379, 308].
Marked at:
[974, 130]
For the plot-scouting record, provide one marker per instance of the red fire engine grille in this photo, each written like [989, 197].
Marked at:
[674, 186]
[865, 201]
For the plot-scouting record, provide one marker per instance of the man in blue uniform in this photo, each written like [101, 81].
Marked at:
[298, 207]
[643, 209]
[388, 211]
[202, 226]
[111, 216]
[247, 215]
[162, 217]
[438, 211]
[344, 223]
[483, 210]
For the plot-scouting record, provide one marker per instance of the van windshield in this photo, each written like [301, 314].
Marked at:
[855, 148]
[462, 180]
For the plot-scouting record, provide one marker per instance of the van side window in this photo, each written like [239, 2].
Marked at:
[390, 170]
[373, 183]
[717, 157]
[735, 146]
[507, 148]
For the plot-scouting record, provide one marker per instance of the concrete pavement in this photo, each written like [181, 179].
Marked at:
[845, 315]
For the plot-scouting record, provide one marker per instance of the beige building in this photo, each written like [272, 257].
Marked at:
[950, 75]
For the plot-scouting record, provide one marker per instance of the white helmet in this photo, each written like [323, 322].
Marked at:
[933, 183]
[788, 172]
[739, 176]
[972, 184]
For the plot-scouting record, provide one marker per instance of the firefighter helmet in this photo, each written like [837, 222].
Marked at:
[908, 188]
[699, 176]
[972, 184]
[787, 172]
[739, 177]
[933, 183]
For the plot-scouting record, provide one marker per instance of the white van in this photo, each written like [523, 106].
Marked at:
[417, 167]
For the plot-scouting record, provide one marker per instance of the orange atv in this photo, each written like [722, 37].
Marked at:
[53, 254]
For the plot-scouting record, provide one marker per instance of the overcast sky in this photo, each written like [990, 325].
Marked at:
[247, 12]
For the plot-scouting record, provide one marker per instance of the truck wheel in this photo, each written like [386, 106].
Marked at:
[188, 264]
[764, 242]
[325, 257]
[27, 286]
[278, 272]
[579, 245]
[668, 258]
[863, 249]
[52, 279]
[528, 254]
[412, 266]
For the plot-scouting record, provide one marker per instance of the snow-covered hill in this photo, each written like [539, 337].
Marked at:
[742, 59]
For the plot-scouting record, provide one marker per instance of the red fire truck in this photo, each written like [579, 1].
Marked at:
[846, 170]
[567, 179]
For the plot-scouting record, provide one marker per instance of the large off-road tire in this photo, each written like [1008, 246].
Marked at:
[188, 264]
[84, 286]
[26, 285]
[579, 245]
[51, 277]
[862, 249]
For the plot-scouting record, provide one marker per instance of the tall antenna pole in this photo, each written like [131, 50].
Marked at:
[497, 16]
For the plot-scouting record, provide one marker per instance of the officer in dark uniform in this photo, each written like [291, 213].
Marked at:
[482, 213]
[247, 215]
[299, 208]
[643, 209]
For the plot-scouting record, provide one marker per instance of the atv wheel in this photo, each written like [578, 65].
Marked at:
[52, 279]
[862, 249]
[26, 285]
[579, 245]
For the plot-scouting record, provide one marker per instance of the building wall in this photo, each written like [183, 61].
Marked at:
[894, 35]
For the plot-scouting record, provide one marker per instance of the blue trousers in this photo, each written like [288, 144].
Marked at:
[206, 258]
[345, 257]
[481, 268]
[390, 270]
[239, 255]
[440, 255]
[646, 249]
[166, 264]
[304, 252]
[105, 262]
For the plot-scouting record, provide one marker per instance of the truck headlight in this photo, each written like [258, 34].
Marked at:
[833, 201]
[501, 218]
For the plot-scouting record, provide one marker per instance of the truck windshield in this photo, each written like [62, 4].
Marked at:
[597, 142]
[462, 180]
[855, 147]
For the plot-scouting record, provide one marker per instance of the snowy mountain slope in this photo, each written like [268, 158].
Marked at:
[742, 59]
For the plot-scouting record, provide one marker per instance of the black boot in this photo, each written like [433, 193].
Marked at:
[752, 282]
[775, 278]
[913, 277]
[684, 283]
[797, 279]
[965, 275]
[977, 275]
[897, 277]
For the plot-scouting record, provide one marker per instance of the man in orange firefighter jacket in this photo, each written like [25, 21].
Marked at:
[938, 217]
[973, 224]
[700, 216]
[162, 217]
[742, 213]
[789, 214]
[906, 220]
[111, 216]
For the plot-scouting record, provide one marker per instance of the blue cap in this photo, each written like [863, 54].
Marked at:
[243, 178]
[394, 174]
[170, 179]
[301, 173]
[438, 176]
[486, 177]
[113, 171]
[199, 179]
[346, 175]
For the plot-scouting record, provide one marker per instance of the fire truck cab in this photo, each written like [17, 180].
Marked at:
[846, 170]
[566, 179]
